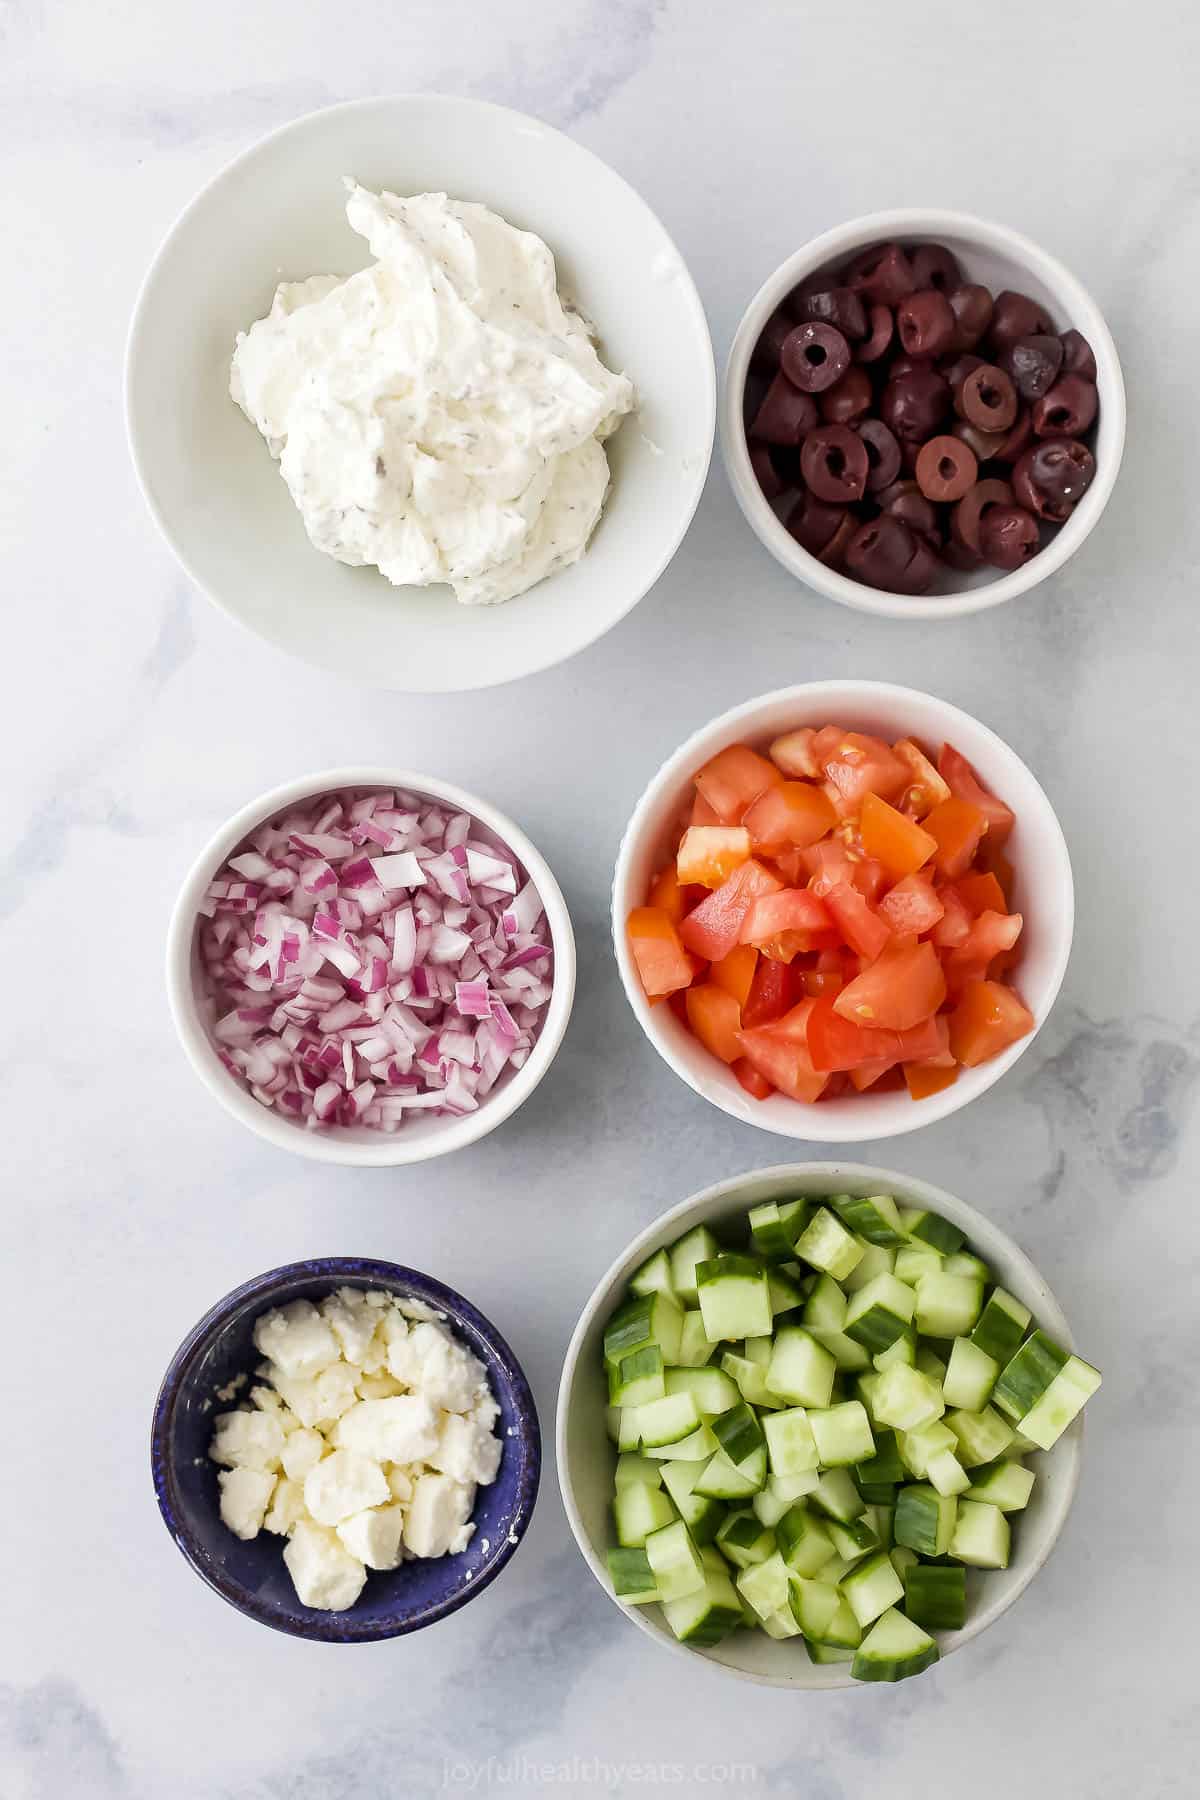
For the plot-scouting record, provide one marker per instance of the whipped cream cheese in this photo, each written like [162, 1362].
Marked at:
[441, 414]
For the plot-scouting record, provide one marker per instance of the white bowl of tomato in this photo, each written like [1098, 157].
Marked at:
[842, 910]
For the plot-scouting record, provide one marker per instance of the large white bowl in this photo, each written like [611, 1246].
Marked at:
[424, 1135]
[277, 213]
[1043, 893]
[586, 1457]
[999, 258]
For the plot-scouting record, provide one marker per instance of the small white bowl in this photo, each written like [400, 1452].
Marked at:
[1043, 892]
[277, 213]
[586, 1457]
[999, 258]
[426, 1135]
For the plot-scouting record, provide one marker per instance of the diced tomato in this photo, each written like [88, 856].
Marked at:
[855, 764]
[822, 981]
[958, 828]
[677, 1002]
[857, 920]
[834, 1043]
[912, 906]
[735, 971]
[993, 861]
[780, 1053]
[711, 929]
[982, 893]
[898, 843]
[988, 1018]
[925, 789]
[831, 863]
[793, 753]
[663, 965]
[954, 926]
[756, 1085]
[965, 784]
[715, 1018]
[783, 924]
[702, 813]
[732, 780]
[708, 854]
[992, 935]
[926, 1078]
[867, 1074]
[776, 988]
[790, 866]
[669, 897]
[792, 813]
[904, 985]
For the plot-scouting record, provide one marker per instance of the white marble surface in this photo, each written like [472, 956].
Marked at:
[136, 718]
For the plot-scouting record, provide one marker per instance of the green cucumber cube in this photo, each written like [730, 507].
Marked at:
[1002, 1326]
[712, 1389]
[893, 1649]
[804, 1541]
[1062, 1402]
[696, 1246]
[843, 1434]
[655, 1318]
[800, 1369]
[775, 1225]
[837, 1495]
[948, 1305]
[764, 1585]
[970, 1376]
[694, 1348]
[982, 1436]
[735, 1300]
[791, 1446]
[637, 1378]
[905, 1398]
[1007, 1485]
[738, 1431]
[654, 1276]
[874, 1218]
[931, 1228]
[675, 1561]
[981, 1536]
[638, 1511]
[875, 1260]
[825, 1244]
[814, 1605]
[872, 1587]
[632, 1577]
[879, 1313]
[925, 1519]
[637, 1471]
[743, 1538]
[935, 1596]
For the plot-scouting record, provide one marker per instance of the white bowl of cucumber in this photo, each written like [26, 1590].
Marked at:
[877, 1508]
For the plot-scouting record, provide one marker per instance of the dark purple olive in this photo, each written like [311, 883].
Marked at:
[840, 307]
[813, 523]
[814, 356]
[985, 444]
[957, 371]
[933, 266]
[880, 325]
[946, 469]
[925, 323]
[1053, 476]
[1008, 536]
[964, 520]
[886, 553]
[911, 505]
[972, 309]
[1077, 356]
[849, 398]
[883, 453]
[1015, 316]
[765, 472]
[915, 403]
[1067, 409]
[986, 398]
[957, 556]
[834, 464]
[835, 550]
[1032, 363]
[764, 358]
[1018, 439]
[883, 273]
[785, 414]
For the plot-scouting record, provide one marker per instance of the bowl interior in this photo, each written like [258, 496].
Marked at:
[252, 1576]
[587, 1458]
[278, 214]
[1042, 893]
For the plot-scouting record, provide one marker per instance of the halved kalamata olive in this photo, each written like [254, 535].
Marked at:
[1053, 476]
[883, 453]
[785, 414]
[814, 356]
[1067, 409]
[987, 398]
[886, 553]
[849, 398]
[972, 309]
[1014, 316]
[1008, 536]
[764, 358]
[911, 505]
[834, 463]
[1018, 438]
[883, 273]
[813, 522]
[765, 472]
[915, 403]
[840, 307]
[880, 325]
[925, 323]
[835, 550]
[933, 266]
[1078, 358]
[1032, 363]
[985, 444]
[964, 520]
[946, 468]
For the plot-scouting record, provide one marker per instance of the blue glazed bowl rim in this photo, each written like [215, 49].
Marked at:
[343, 1628]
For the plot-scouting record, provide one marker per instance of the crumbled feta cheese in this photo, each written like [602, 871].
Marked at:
[247, 1440]
[402, 1429]
[343, 1483]
[465, 1450]
[287, 1506]
[393, 1326]
[351, 1321]
[400, 1482]
[302, 1451]
[296, 1339]
[267, 1400]
[244, 1497]
[436, 1516]
[323, 1571]
[374, 1536]
[379, 1387]
[326, 1396]
[429, 1360]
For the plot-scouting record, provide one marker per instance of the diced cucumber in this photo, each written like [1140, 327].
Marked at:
[764, 1585]
[864, 1388]
[791, 1446]
[916, 1447]
[827, 1653]
[842, 1433]
[837, 1495]
[697, 1446]
[905, 1398]
[637, 1377]
[879, 1313]
[637, 1511]
[930, 1363]
[1027, 1375]
[924, 1519]
[836, 1569]
[948, 1305]
[804, 1541]
[800, 1369]
[877, 1494]
[637, 1471]
[885, 1465]
[780, 1624]
[707, 1616]
[935, 1596]
[781, 1493]
[646, 1319]
[735, 1301]
[743, 1538]
[667, 1421]
[946, 1473]
[694, 1348]
[963, 1263]
[880, 1517]
[723, 1479]
[628, 1436]
[903, 1559]
[654, 1276]
[738, 1431]
[775, 1225]
[632, 1577]
[786, 1293]
[982, 1436]
[1007, 1485]
[875, 1260]
[853, 1539]
[675, 1561]
[931, 1228]
[750, 1378]
[758, 1350]
[872, 1587]
[893, 1649]
[981, 1535]
[970, 1376]
[874, 1218]
[814, 1604]
[700, 1512]
[826, 1244]
[903, 1350]
[825, 1308]
[1002, 1326]
[696, 1246]
[843, 1628]
[1062, 1401]
[712, 1389]
[916, 1260]
[844, 1351]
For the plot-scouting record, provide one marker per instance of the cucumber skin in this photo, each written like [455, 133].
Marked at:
[1026, 1376]
[936, 1597]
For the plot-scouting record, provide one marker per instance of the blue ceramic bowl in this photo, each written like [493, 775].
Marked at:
[252, 1576]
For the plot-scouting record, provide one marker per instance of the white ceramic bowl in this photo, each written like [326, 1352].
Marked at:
[586, 1457]
[1043, 893]
[277, 213]
[999, 258]
[425, 1135]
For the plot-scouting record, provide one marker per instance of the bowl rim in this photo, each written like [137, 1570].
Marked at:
[333, 1627]
[391, 1151]
[476, 679]
[977, 1225]
[824, 1127]
[909, 222]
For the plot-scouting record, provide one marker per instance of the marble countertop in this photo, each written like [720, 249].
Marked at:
[137, 718]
